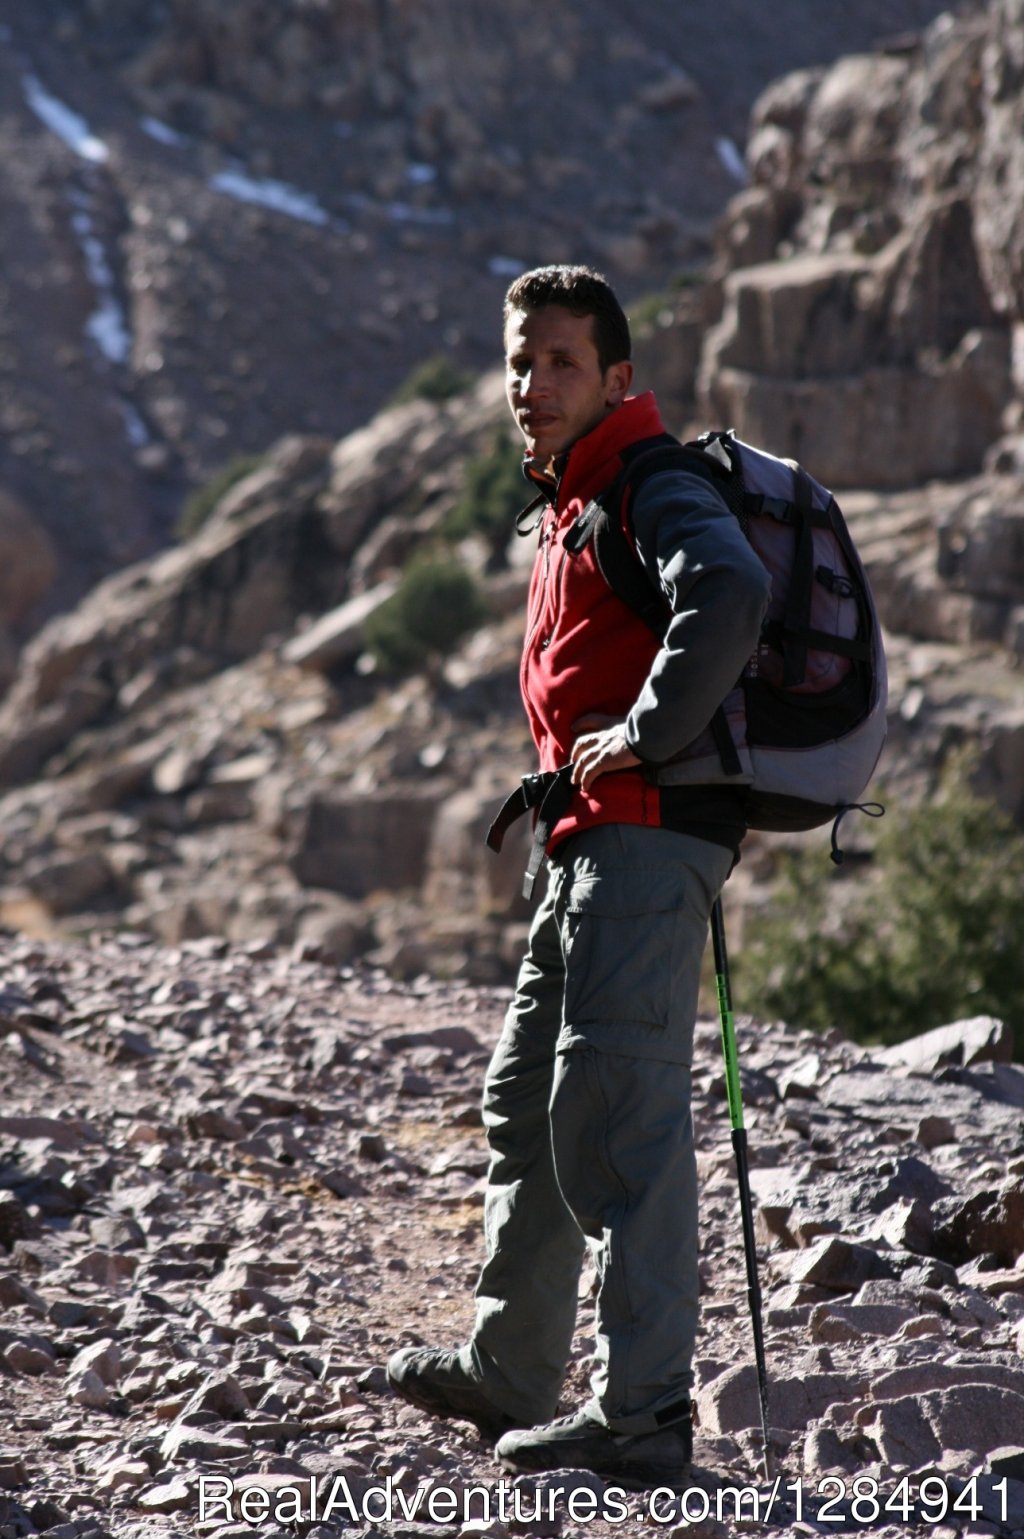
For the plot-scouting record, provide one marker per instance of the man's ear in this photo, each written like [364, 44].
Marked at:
[618, 379]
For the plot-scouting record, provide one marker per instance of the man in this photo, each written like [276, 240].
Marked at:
[587, 1098]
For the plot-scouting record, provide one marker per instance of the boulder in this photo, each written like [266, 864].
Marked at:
[839, 1264]
[884, 425]
[338, 636]
[990, 1223]
[914, 1431]
[730, 1402]
[360, 843]
[982, 1039]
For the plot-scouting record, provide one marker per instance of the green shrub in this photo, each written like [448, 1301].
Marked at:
[930, 935]
[437, 378]
[645, 311]
[200, 504]
[437, 603]
[492, 493]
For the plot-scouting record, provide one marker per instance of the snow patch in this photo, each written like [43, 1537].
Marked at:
[505, 267]
[398, 212]
[408, 213]
[266, 193]
[163, 133]
[62, 121]
[732, 159]
[106, 326]
[135, 428]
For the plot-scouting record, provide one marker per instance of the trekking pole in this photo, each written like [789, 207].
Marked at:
[739, 1144]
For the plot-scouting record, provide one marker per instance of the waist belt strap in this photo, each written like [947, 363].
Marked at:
[551, 794]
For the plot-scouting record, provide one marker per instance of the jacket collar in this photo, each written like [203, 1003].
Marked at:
[581, 470]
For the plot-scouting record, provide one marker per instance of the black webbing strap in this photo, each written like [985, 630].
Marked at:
[774, 632]
[723, 742]
[798, 602]
[760, 505]
[550, 793]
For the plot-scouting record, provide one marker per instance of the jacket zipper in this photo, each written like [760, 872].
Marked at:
[556, 601]
[546, 537]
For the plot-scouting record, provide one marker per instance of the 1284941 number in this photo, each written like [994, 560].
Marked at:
[928, 1499]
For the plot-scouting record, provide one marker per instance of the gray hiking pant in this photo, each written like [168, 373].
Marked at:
[587, 1110]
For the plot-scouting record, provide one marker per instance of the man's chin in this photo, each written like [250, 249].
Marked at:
[543, 449]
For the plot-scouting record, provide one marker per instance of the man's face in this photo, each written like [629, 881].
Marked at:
[553, 380]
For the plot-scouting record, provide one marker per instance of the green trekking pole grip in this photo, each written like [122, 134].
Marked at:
[739, 1144]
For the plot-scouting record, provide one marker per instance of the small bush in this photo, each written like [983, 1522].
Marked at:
[493, 491]
[200, 504]
[645, 312]
[930, 936]
[435, 379]
[435, 605]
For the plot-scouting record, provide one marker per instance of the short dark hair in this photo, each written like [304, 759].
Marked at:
[581, 291]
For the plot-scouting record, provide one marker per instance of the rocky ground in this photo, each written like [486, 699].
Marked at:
[232, 1179]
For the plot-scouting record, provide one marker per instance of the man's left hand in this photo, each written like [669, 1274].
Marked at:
[599, 750]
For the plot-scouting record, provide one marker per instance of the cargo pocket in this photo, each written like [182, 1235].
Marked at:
[633, 930]
[619, 947]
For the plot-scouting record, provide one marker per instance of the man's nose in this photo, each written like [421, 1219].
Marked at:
[534, 383]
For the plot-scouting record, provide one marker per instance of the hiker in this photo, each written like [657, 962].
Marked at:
[587, 1097]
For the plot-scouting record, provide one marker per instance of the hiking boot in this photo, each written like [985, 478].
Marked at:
[581, 1442]
[435, 1381]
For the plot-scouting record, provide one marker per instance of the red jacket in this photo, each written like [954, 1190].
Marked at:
[585, 651]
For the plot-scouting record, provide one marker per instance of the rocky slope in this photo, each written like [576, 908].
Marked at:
[227, 223]
[870, 277]
[196, 750]
[231, 1181]
[197, 760]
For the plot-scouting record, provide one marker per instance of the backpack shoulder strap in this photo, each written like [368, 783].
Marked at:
[604, 521]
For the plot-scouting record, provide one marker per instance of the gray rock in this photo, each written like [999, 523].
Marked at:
[981, 1039]
[14, 1293]
[341, 1182]
[877, 1096]
[102, 1358]
[730, 1402]
[838, 1264]
[356, 844]
[850, 1322]
[902, 1433]
[58, 1132]
[86, 1388]
[172, 1494]
[24, 1357]
[117, 1232]
[989, 1223]
[185, 1444]
[13, 1474]
[975, 1417]
[801, 1079]
[933, 1132]
[223, 1395]
[339, 636]
[107, 1268]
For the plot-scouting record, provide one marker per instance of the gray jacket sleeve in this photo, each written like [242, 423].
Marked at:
[693, 548]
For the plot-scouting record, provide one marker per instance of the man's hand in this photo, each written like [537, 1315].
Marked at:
[599, 749]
